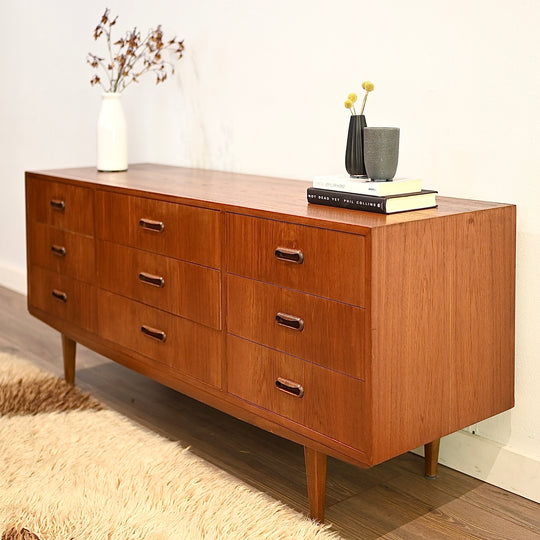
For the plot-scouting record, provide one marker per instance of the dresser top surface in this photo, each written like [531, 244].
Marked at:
[238, 191]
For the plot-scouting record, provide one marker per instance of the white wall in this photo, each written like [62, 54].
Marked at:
[261, 90]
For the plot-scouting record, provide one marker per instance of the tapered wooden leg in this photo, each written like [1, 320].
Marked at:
[68, 350]
[431, 453]
[316, 482]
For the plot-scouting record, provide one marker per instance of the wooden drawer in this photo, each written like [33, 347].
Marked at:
[61, 251]
[186, 289]
[190, 348]
[332, 404]
[323, 262]
[184, 232]
[61, 205]
[62, 296]
[319, 330]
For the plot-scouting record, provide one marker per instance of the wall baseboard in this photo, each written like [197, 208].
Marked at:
[13, 278]
[490, 462]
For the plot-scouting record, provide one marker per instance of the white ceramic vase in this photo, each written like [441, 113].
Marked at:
[112, 152]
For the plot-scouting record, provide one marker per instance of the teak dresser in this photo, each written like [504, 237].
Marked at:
[358, 335]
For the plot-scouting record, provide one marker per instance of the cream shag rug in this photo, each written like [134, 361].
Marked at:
[71, 469]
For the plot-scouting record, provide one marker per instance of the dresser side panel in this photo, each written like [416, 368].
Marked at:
[483, 329]
[442, 326]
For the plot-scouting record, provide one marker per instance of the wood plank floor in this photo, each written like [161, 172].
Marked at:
[392, 500]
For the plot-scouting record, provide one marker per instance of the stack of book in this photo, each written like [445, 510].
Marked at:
[398, 195]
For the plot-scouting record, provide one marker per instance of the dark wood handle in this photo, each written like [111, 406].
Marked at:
[58, 204]
[152, 225]
[290, 321]
[153, 333]
[151, 279]
[290, 387]
[289, 255]
[58, 250]
[60, 295]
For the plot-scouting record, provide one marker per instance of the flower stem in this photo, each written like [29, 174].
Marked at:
[364, 103]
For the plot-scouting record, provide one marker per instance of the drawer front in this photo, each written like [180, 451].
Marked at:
[61, 251]
[322, 331]
[61, 205]
[176, 230]
[187, 347]
[318, 261]
[186, 289]
[330, 403]
[60, 295]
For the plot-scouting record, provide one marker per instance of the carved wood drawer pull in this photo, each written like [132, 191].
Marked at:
[58, 250]
[290, 321]
[60, 295]
[150, 279]
[152, 225]
[289, 255]
[58, 204]
[153, 333]
[290, 387]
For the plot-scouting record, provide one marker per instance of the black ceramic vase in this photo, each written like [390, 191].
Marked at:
[354, 154]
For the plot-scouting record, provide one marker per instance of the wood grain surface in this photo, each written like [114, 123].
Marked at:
[188, 348]
[70, 208]
[259, 194]
[332, 265]
[189, 290]
[405, 323]
[62, 251]
[443, 326]
[189, 233]
[317, 340]
[390, 501]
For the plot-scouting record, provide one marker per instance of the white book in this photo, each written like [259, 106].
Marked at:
[365, 186]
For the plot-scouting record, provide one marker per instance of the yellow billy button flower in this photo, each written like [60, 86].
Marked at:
[349, 103]
[368, 86]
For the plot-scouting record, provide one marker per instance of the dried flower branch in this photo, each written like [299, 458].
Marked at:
[130, 57]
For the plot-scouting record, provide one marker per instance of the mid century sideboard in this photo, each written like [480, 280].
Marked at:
[357, 335]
